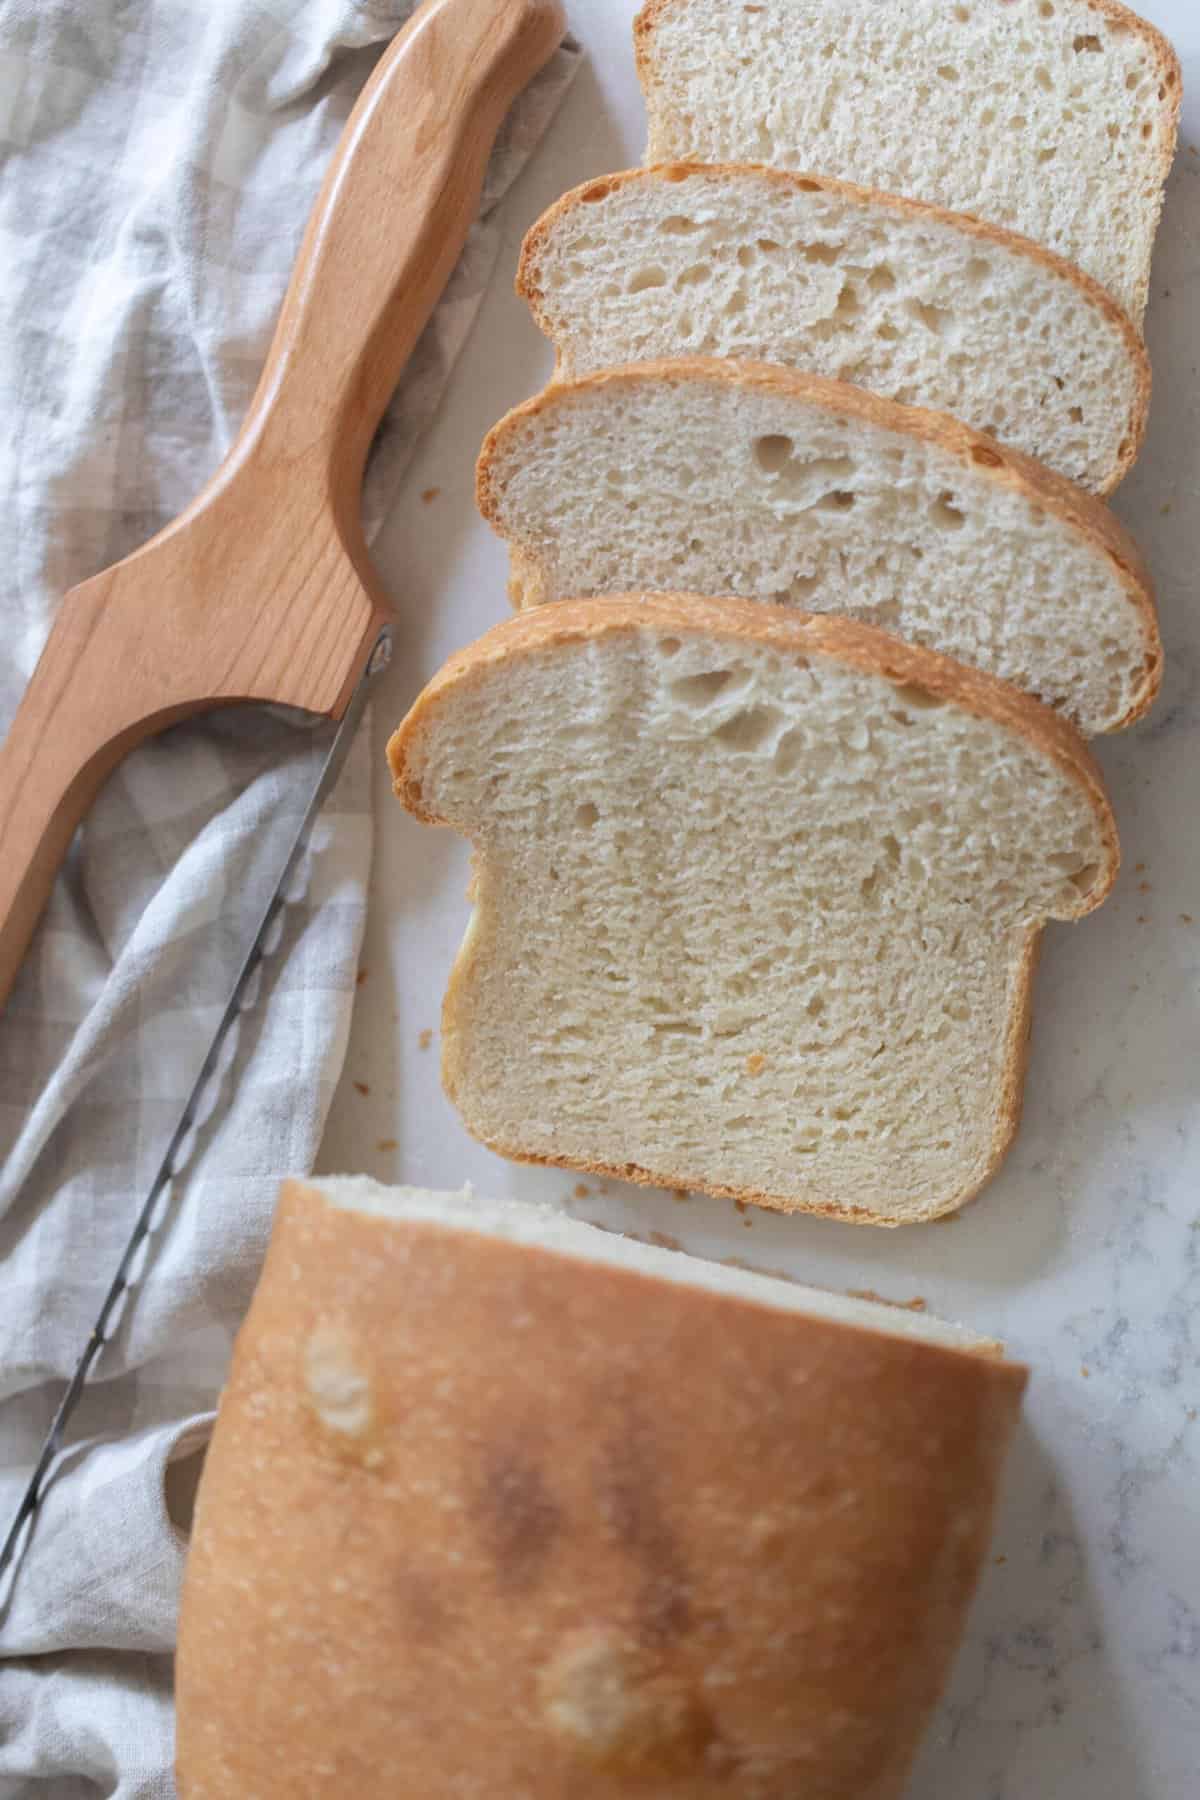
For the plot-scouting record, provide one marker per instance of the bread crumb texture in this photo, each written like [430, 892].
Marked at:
[734, 478]
[925, 307]
[1054, 118]
[748, 918]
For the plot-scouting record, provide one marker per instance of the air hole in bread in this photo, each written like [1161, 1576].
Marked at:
[888, 332]
[932, 317]
[840, 500]
[651, 276]
[1047, 9]
[1075, 413]
[1048, 154]
[669, 646]
[963, 14]
[749, 730]
[695, 275]
[586, 815]
[946, 515]
[1087, 41]
[948, 72]
[678, 225]
[747, 256]
[808, 186]
[918, 699]
[881, 280]
[768, 246]
[815, 1007]
[987, 459]
[891, 847]
[847, 301]
[1147, 129]
[827, 254]
[701, 690]
[978, 271]
[789, 751]
[1045, 80]
[600, 191]
[772, 452]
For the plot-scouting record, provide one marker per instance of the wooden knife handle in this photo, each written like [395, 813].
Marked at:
[263, 588]
[393, 214]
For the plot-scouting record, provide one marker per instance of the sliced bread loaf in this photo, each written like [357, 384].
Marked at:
[1055, 118]
[500, 1505]
[734, 478]
[921, 305]
[757, 898]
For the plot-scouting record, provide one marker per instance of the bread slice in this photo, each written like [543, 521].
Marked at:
[728, 478]
[920, 305]
[757, 898]
[498, 1504]
[1054, 118]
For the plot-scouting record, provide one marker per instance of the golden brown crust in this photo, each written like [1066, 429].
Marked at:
[584, 1534]
[528, 285]
[1080, 512]
[1169, 68]
[792, 632]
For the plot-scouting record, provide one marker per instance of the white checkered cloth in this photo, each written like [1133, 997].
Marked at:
[159, 164]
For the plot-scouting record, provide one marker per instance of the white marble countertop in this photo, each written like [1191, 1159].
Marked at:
[1080, 1679]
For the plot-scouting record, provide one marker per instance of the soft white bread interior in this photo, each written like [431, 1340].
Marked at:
[499, 1505]
[756, 898]
[1054, 118]
[920, 305]
[736, 478]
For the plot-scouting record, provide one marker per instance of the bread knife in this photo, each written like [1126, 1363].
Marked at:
[263, 588]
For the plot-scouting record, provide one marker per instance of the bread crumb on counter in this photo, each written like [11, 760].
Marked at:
[918, 1304]
[424, 1038]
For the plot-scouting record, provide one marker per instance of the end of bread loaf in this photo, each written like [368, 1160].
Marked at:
[757, 899]
[615, 1523]
[538, 1225]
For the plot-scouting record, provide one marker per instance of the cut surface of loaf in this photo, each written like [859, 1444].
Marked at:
[756, 898]
[720, 478]
[923, 306]
[1054, 118]
[499, 1505]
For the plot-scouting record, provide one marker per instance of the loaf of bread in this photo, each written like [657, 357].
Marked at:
[921, 305]
[757, 898]
[1054, 118]
[729, 478]
[499, 1505]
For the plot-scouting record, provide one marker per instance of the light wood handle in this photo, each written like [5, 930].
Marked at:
[390, 222]
[263, 588]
